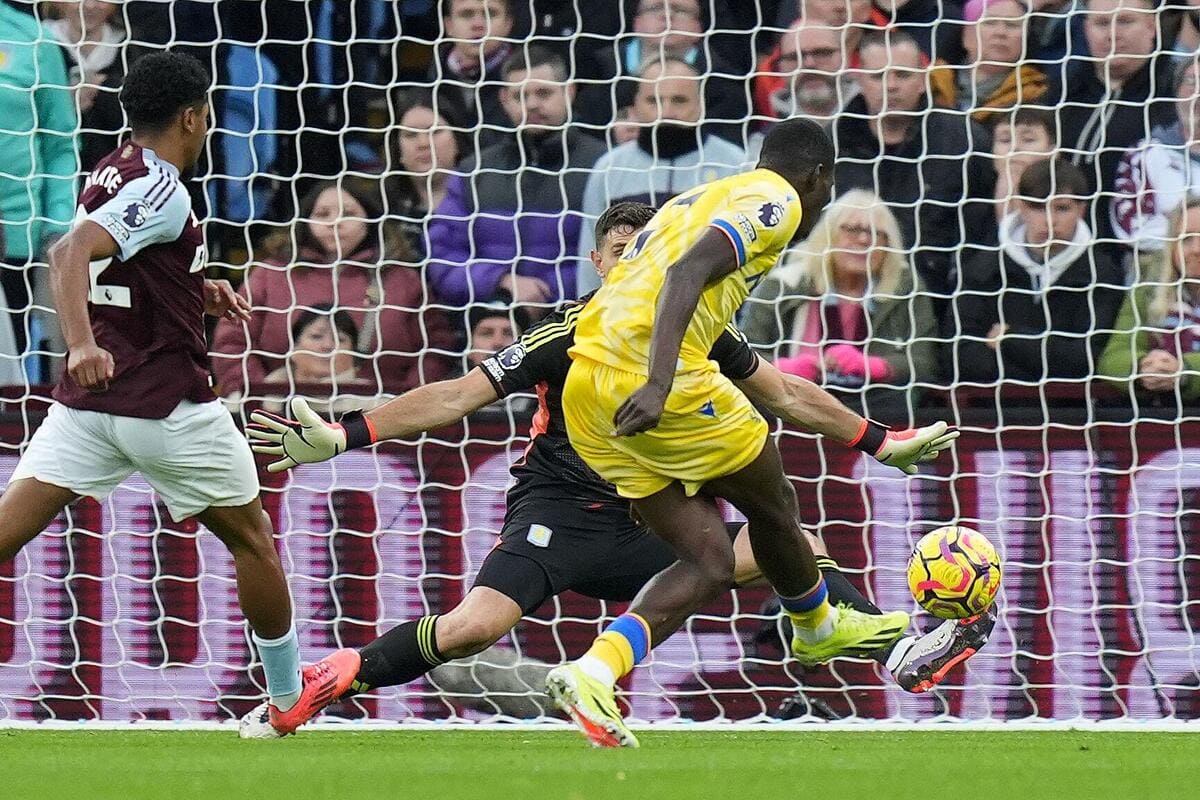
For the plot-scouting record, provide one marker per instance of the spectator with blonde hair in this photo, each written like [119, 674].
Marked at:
[1155, 345]
[846, 308]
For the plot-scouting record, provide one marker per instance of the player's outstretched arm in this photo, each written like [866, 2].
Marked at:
[804, 404]
[307, 438]
[70, 260]
[710, 258]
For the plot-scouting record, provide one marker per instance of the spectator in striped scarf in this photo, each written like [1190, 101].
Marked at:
[995, 77]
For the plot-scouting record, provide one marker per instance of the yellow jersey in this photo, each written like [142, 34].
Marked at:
[759, 211]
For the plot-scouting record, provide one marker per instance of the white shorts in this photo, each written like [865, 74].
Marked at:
[195, 458]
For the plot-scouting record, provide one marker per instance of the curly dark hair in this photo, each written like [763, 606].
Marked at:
[159, 85]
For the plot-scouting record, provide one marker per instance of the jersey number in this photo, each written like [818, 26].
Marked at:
[201, 258]
[107, 295]
[679, 201]
[631, 251]
[685, 200]
[101, 294]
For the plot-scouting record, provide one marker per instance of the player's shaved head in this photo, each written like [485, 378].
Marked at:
[796, 146]
[627, 215]
[801, 152]
[159, 86]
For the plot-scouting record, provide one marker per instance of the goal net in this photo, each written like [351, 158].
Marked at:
[1086, 484]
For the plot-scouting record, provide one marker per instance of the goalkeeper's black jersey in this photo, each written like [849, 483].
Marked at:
[539, 361]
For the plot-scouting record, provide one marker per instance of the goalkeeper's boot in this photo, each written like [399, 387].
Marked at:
[855, 635]
[926, 659]
[323, 683]
[591, 706]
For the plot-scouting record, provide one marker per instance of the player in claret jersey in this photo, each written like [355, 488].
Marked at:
[129, 286]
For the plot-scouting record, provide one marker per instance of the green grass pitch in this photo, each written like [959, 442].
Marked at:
[402, 765]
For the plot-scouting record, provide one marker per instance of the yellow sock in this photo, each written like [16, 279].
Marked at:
[607, 648]
[813, 626]
[813, 618]
[811, 614]
[615, 653]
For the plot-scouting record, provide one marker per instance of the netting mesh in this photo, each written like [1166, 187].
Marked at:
[1012, 249]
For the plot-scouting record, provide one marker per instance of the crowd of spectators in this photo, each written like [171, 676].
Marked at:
[400, 187]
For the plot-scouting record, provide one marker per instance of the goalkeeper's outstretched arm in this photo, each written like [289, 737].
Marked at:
[307, 439]
[432, 406]
[804, 404]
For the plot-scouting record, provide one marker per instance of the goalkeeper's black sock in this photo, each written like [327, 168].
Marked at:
[841, 590]
[404, 653]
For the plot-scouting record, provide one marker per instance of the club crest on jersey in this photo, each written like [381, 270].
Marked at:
[135, 215]
[770, 214]
[539, 535]
[511, 356]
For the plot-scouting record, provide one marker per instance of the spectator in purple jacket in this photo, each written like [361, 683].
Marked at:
[508, 228]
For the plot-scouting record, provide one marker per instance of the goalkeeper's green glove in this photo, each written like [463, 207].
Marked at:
[306, 439]
[903, 449]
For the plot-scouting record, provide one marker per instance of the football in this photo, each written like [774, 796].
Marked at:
[954, 572]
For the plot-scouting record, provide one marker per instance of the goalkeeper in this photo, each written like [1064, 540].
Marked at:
[566, 528]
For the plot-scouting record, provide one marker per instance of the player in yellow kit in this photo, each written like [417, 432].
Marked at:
[650, 413]
[708, 428]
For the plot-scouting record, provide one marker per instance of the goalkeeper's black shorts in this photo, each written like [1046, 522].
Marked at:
[551, 544]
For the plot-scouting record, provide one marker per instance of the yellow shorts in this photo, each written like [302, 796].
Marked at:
[708, 429]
